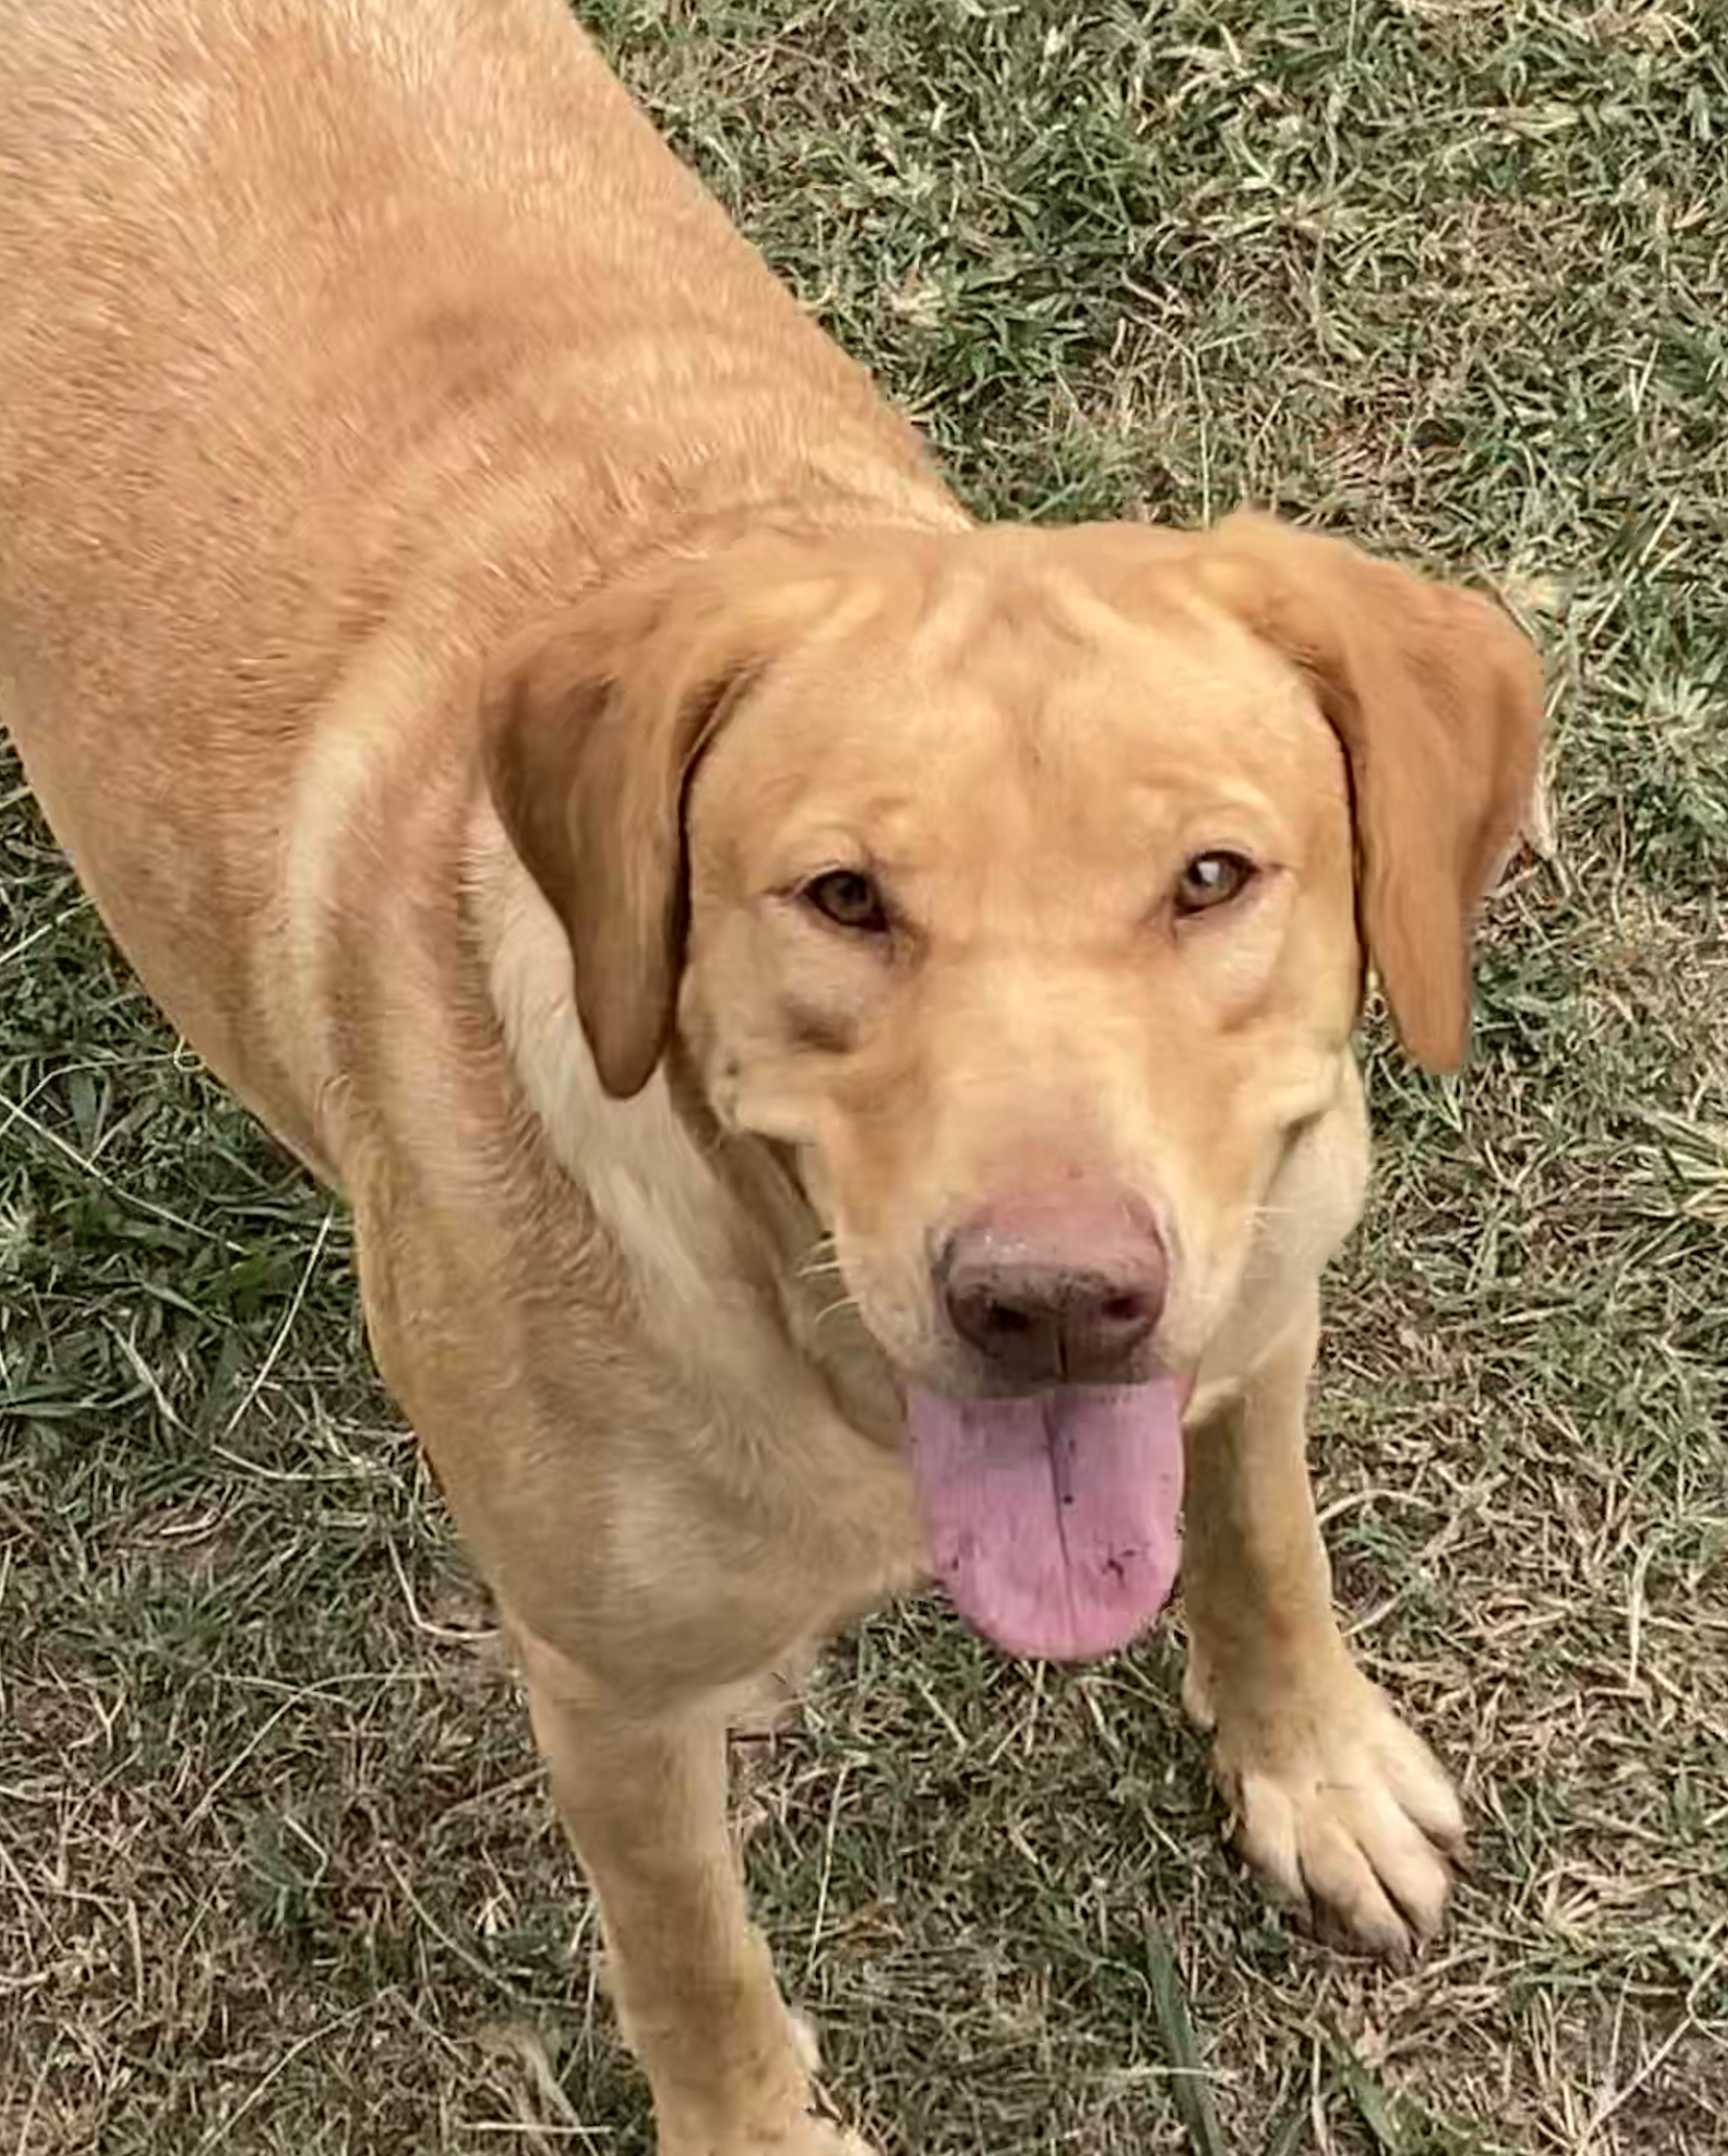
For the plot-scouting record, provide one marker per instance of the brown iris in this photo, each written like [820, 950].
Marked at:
[849, 899]
[1213, 880]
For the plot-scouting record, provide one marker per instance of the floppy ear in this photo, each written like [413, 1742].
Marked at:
[593, 724]
[1435, 698]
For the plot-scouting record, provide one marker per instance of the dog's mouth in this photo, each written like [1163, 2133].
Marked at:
[1053, 1518]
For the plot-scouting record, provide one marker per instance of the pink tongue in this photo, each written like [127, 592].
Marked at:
[1053, 1520]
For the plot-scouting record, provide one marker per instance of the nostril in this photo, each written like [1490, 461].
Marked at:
[1126, 1310]
[1015, 1329]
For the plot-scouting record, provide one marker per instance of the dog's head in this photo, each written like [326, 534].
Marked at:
[1016, 883]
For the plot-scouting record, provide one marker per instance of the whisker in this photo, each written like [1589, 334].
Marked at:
[824, 1260]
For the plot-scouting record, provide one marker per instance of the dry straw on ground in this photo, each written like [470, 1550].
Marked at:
[278, 1874]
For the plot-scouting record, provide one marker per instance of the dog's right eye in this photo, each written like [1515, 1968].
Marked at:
[848, 898]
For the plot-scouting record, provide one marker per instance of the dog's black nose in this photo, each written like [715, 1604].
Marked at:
[1059, 1294]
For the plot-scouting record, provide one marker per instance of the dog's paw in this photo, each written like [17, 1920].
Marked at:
[806, 2135]
[820, 2137]
[793, 2128]
[1343, 1811]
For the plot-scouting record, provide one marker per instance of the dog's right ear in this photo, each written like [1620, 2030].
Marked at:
[593, 725]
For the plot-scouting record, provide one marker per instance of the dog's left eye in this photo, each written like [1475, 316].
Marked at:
[849, 900]
[1211, 879]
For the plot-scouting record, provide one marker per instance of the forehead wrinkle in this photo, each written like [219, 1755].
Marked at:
[1008, 692]
[995, 642]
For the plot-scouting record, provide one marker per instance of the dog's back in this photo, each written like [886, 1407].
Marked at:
[337, 330]
[334, 328]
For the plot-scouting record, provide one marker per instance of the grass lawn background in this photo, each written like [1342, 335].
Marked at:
[276, 1870]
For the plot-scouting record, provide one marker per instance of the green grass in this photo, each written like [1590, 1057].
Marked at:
[276, 1873]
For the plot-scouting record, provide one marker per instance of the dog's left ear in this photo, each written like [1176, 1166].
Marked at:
[593, 724]
[1435, 698]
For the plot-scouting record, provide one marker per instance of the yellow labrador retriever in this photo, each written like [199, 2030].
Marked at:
[834, 1023]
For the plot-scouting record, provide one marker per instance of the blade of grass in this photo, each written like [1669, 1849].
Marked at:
[1190, 2089]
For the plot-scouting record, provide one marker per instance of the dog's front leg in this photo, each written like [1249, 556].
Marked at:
[1338, 1805]
[643, 1796]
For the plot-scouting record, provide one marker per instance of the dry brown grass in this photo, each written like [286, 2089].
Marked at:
[278, 1874]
